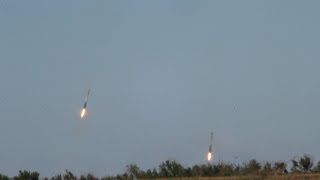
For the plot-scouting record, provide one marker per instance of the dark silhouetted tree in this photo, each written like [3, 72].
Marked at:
[108, 178]
[252, 167]
[280, 167]
[88, 177]
[69, 176]
[57, 177]
[171, 169]
[304, 164]
[188, 172]
[266, 169]
[4, 177]
[133, 171]
[155, 173]
[316, 169]
[225, 169]
[23, 175]
[196, 171]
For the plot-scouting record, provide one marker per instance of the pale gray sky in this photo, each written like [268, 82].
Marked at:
[163, 75]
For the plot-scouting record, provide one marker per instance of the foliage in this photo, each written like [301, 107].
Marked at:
[280, 167]
[3, 177]
[173, 169]
[133, 171]
[303, 164]
[316, 169]
[266, 169]
[225, 169]
[57, 177]
[251, 168]
[27, 175]
[69, 176]
[88, 177]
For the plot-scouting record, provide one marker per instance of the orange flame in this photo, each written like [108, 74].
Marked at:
[209, 156]
[83, 112]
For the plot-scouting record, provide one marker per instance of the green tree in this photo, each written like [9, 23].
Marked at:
[148, 174]
[316, 169]
[196, 171]
[88, 177]
[280, 167]
[171, 169]
[69, 176]
[252, 167]
[108, 178]
[208, 170]
[23, 175]
[4, 177]
[121, 177]
[225, 169]
[188, 172]
[155, 174]
[304, 164]
[266, 169]
[133, 171]
[57, 177]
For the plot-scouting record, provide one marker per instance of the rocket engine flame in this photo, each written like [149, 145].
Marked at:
[209, 156]
[83, 112]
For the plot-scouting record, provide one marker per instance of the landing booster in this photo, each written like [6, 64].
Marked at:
[83, 112]
[210, 148]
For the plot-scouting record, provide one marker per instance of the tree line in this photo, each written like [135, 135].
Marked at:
[173, 169]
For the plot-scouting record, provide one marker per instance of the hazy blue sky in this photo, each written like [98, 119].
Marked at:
[163, 75]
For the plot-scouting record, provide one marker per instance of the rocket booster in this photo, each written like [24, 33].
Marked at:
[210, 146]
[85, 103]
[83, 112]
[209, 156]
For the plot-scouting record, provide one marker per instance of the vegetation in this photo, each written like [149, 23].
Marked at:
[303, 164]
[301, 168]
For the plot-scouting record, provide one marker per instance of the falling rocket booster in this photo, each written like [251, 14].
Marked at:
[85, 103]
[83, 112]
[209, 156]
[210, 146]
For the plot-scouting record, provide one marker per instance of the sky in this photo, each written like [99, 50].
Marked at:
[163, 75]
